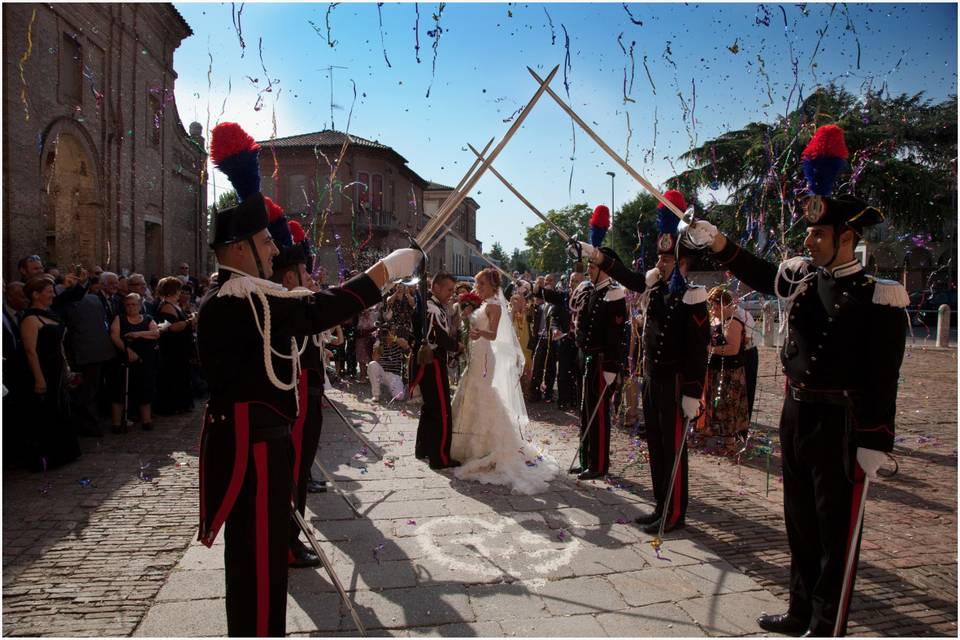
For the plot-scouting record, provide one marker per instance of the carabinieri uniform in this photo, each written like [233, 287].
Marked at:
[600, 339]
[434, 432]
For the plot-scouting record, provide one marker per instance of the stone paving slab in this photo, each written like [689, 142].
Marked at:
[118, 555]
[432, 555]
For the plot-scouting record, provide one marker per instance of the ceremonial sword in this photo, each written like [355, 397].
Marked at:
[329, 568]
[593, 415]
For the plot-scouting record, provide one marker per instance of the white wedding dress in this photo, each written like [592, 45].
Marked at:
[489, 413]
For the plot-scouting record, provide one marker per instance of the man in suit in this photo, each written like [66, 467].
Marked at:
[545, 350]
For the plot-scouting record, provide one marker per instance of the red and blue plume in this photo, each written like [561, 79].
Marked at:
[236, 154]
[297, 232]
[599, 224]
[278, 224]
[667, 220]
[823, 159]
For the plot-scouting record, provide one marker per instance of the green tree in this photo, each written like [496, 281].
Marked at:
[498, 255]
[225, 200]
[547, 249]
[520, 260]
[635, 222]
[903, 161]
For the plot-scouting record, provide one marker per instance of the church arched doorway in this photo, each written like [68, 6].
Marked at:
[71, 201]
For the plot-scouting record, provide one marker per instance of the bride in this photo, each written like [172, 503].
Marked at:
[488, 408]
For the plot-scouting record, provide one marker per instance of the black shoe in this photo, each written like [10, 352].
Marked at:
[453, 464]
[654, 527]
[784, 623]
[147, 426]
[648, 519]
[118, 428]
[303, 558]
[575, 471]
[548, 400]
[589, 475]
[317, 486]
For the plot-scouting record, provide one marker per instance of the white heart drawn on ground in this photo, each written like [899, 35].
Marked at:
[474, 545]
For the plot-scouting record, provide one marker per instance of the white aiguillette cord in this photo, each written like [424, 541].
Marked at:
[786, 272]
[245, 287]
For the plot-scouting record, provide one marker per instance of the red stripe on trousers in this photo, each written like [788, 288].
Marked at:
[678, 440]
[241, 425]
[413, 385]
[262, 539]
[601, 423]
[297, 434]
[858, 478]
[443, 413]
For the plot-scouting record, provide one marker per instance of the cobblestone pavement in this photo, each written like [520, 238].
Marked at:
[436, 556]
[87, 547]
[907, 580]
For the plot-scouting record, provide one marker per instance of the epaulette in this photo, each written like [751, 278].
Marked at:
[695, 294]
[890, 292]
[615, 292]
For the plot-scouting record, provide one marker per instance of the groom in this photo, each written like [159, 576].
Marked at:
[436, 420]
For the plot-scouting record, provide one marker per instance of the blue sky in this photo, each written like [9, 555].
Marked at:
[735, 57]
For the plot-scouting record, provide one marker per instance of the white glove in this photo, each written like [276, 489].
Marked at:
[578, 248]
[696, 234]
[690, 407]
[653, 277]
[401, 263]
[609, 377]
[870, 460]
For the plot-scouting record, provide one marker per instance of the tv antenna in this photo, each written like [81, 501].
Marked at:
[329, 69]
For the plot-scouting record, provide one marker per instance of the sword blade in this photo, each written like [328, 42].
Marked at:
[329, 568]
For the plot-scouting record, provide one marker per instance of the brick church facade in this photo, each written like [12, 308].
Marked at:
[372, 202]
[97, 166]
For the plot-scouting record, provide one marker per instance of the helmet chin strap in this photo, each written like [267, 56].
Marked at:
[256, 257]
[836, 246]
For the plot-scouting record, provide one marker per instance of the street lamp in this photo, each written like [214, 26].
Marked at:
[612, 176]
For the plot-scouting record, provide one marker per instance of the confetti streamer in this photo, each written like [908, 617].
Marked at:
[634, 20]
[553, 33]
[629, 136]
[435, 34]
[330, 9]
[23, 60]
[649, 77]
[850, 27]
[382, 45]
[567, 67]
[822, 33]
[416, 32]
[236, 25]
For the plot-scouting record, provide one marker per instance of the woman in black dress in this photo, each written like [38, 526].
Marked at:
[135, 335]
[174, 394]
[46, 438]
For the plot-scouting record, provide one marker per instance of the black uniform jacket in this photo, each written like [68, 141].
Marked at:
[676, 330]
[846, 331]
[600, 325]
[231, 355]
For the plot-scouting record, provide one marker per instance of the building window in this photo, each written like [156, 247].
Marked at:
[363, 188]
[155, 119]
[376, 188]
[71, 70]
[391, 203]
[298, 199]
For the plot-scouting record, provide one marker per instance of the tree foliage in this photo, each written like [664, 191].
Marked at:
[498, 255]
[903, 161]
[520, 260]
[547, 249]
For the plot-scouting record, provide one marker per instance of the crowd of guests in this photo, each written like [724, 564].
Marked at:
[79, 347]
[82, 348]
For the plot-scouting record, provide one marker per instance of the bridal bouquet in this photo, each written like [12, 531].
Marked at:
[468, 303]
